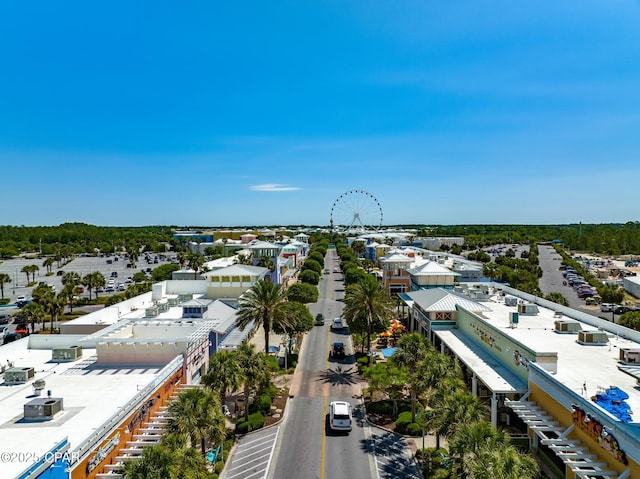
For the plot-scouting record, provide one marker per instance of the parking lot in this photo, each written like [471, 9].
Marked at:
[82, 265]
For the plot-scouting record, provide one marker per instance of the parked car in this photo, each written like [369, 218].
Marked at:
[620, 309]
[3, 332]
[340, 416]
[337, 350]
[60, 273]
[22, 329]
[11, 337]
[110, 289]
[5, 318]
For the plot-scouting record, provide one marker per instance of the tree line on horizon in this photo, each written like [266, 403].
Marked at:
[609, 239]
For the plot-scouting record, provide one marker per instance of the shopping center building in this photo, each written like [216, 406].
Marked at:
[80, 403]
[566, 381]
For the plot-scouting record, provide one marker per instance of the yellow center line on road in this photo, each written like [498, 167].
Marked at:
[324, 414]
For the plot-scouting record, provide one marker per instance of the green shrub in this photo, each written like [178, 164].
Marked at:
[263, 403]
[414, 429]
[271, 391]
[4, 301]
[380, 407]
[219, 467]
[403, 421]
[256, 421]
[242, 426]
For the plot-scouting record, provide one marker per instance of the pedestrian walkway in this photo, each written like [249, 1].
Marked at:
[258, 339]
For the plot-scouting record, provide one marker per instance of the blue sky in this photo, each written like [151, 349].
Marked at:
[251, 113]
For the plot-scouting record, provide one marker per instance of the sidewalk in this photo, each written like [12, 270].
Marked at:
[258, 339]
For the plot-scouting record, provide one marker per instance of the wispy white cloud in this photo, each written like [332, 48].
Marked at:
[273, 187]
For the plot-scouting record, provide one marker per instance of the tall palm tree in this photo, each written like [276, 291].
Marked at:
[411, 349]
[254, 368]
[197, 415]
[432, 369]
[224, 374]
[262, 304]
[48, 263]
[33, 313]
[70, 281]
[4, 278]
[26, 269]
[451, 411]
[54, 306]
[369, 302]
[195, 261]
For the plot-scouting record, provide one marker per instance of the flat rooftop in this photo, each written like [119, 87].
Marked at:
[91, 395]
[595, 366]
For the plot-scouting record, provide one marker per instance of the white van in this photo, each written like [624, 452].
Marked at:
[340, 416]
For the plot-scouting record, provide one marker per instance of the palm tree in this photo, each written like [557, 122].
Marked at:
[54, 306]
[449, 413]
[254, 369]
[412, 348]
[481, 451]
[224, 374]
[267, 262]
[242, 258]
[4, 278]
[188, 463]
[197, 415]
[26, 269]
[367, 301]
[262, 304]
[491, 270]
[432, 369]
[48, 263]
[33, 313]
[196, 261]
[70, 281]
[156, 463]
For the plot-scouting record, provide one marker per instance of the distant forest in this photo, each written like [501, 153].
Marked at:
[609, 239]
[78, 238]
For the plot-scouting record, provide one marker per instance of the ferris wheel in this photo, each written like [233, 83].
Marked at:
[356, 211]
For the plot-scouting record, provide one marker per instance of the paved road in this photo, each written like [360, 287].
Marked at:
[305, 447]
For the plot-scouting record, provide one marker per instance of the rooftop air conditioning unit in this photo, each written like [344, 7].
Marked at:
[42, 408]
[151, 312]
[514, 319]
[567, 326]
[510, 301]
[18, 375]
[66, 354]
[593, 337]
[528, 309]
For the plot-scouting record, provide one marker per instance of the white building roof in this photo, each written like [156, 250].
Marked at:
[431, 268]
[91, 395]
[596, 366]
[438, 299]
[237, 270]
[497, 377]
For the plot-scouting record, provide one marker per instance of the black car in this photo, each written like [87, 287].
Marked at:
[5, 318]
[11, 337]
[337, 350]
